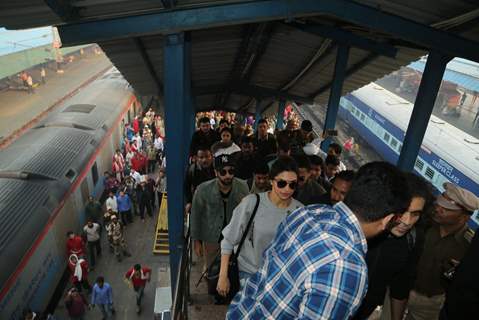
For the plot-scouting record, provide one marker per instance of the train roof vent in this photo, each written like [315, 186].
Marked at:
[54, 159]
[81, 108]
[51, 162]
[18, 201]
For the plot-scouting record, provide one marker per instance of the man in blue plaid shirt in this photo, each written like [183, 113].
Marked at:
[315, 267]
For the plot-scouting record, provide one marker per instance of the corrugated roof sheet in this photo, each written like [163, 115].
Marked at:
[273, 55]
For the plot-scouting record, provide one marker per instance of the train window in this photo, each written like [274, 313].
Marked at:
[357, 113]
[419, 164]
[386, 137]
[400, 147]
[362, 117]
[94, 173]
[429, 173]
[394, 143]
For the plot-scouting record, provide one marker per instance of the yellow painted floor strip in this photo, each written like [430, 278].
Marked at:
[161, 244]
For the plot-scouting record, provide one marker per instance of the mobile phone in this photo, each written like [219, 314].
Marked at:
[332, 132]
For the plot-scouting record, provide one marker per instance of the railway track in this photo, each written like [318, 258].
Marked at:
[345, 131]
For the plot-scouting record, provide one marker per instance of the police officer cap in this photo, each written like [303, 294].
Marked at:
[457, 198]
[224, 160]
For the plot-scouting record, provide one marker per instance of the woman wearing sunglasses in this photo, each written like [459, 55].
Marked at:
[273, 207]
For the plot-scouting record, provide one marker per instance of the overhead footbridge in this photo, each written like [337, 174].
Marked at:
[255, 56]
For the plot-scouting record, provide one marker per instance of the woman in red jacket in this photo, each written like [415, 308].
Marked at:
[79, 272]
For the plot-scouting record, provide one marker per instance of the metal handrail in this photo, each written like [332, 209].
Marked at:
[179, 309]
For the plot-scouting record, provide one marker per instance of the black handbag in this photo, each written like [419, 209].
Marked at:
[233, 271]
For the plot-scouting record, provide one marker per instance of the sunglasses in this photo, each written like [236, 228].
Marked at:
[223, 172]
[282, 184]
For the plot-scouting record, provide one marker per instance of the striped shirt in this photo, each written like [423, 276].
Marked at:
[314, 269]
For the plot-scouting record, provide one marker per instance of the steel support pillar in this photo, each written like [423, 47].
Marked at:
[177, 107]
[189, 100]
[257, 115]
[335, 93]
[280, 115]
[426, 96]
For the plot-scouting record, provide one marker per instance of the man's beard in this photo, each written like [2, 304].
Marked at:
[226, 181]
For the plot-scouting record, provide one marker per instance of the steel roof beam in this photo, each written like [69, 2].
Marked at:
[64, 9]
[369, 58]
[253, 91]
[169, 4]
[251, 52]
[348, 38]
[262, 92]
[224, 14]
[248, 31]
[149, 65]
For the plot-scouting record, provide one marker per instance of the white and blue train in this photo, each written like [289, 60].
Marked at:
[447, 153]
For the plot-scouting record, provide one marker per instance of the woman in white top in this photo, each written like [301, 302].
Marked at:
[273, 208]
[226, 145]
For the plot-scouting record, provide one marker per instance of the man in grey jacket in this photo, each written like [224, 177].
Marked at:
[212, 207]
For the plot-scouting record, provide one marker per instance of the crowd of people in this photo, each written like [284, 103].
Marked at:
[131, 189]
[313, 239]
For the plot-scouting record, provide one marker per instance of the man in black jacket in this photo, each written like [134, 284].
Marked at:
[392, 257]
[198, 172]
[265, 143]
[205, 136]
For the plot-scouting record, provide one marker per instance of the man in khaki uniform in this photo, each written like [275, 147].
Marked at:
[444, 247]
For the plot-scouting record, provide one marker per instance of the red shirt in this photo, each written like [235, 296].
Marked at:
[136, 125]
[136, 280]
[75, 246]
[138, 162]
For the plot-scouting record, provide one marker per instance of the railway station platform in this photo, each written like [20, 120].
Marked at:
[139, 238]
[19, 108]
[464, 122]
[316, 114]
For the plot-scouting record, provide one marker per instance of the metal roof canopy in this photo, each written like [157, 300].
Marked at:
[238, 75]
[243, 51]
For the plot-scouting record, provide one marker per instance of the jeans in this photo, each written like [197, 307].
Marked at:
[106, 310]
[92, 246]
[139, 294]
[144, 206]
[126, 217]
[151, 165]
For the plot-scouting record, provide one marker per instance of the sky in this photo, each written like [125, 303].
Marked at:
[18, 40]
